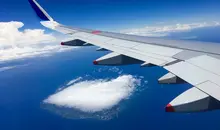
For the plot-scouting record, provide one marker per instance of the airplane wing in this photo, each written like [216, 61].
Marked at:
[194, 62]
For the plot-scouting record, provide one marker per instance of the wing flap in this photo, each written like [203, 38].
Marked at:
[211, 64]
[190, 73]
[197, 70]
[199, 73]
[193, 100]
[210, 88]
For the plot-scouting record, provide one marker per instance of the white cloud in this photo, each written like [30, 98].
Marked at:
[10, 35]
[74, 81]
[6, 68]
[30, 51]
[95, 96]
[15, 44]
[164, 30]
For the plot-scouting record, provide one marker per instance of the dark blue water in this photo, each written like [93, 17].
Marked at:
[23, 89]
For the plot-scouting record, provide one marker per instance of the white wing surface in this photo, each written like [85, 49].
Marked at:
[194, 62]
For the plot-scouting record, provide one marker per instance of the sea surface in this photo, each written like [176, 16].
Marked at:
[25, 86]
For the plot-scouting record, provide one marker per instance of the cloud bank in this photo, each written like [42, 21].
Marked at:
[16, 43]
[95, 96]
[10, 35]
[164, 30]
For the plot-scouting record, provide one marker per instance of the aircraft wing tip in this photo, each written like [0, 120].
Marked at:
[41, 13]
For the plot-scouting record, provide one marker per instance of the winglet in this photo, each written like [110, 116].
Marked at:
[41, 13]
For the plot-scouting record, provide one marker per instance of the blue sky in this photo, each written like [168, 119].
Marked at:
[113, 14]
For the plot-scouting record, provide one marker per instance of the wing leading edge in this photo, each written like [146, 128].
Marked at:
[193, 62]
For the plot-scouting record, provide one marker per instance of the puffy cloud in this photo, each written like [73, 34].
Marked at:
[15, 43]
[164, 30]
[10, 35]
[94, 96]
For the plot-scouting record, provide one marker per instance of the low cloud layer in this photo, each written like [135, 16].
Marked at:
[164, 30]
[16, 43]
[6, 68]
[30, 51]
[95, 96]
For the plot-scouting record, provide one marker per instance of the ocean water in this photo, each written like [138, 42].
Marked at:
[23, 89]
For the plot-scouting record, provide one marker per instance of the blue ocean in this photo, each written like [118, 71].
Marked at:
[33, 90]
[24, 88]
